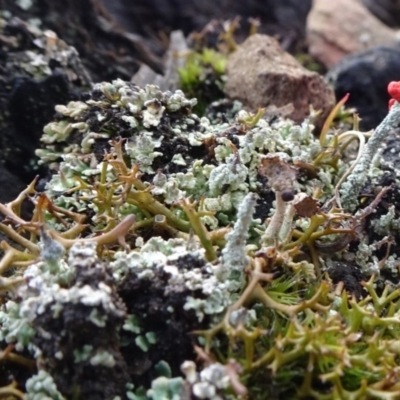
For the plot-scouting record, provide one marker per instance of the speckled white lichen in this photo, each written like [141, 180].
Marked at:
[83, 354]
[14, 328]
[44, 292]
[230, 175]
[142, 150]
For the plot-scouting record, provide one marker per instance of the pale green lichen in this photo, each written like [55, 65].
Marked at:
[42, 387]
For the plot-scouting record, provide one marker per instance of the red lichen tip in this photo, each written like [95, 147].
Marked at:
[391, 102]
[394, 90]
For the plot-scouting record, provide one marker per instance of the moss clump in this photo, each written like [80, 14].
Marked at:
[202, 77]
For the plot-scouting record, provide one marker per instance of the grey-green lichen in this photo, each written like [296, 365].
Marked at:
[42, 387]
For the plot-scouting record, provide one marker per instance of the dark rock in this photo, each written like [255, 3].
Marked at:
[285, 19]
[351, 277]
[388, 11]
[366, 76]
[74, 328]
[261, 74]
[10, 185]
[38, 71]
[152, 301]
[107, 51]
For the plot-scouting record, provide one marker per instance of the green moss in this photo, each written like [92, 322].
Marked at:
[203, 77]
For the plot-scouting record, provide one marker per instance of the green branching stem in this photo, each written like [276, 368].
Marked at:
[199, 229]
[146, 201]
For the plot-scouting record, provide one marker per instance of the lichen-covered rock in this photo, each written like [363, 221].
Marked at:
[261, 74]
[69, 316]
[155, 136]
[106, 50]
[169, 292]
[38, 71]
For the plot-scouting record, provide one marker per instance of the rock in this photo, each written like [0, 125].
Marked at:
[38, 71]
[106, 50]
[388, 11]
[261, 74]
[285, 19]
[10, 185]
[366, 76]
[338, 28]
[170, 79]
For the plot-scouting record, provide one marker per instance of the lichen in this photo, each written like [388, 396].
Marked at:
[165, 244]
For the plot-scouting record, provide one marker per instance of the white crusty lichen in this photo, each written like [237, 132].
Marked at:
[16, 315]
[103, 358]
[42, 387]
[350, 189]
[14, 328]
[163, 388]
[208, 382]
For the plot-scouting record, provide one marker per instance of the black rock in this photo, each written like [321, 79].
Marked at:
[350, 275]
[284, 18]
[10, 185]
[365, 76]
[34, 79]
[388, 11]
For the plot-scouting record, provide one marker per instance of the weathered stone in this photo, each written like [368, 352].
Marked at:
[338, 28]
[261, 74]
[366, 76]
